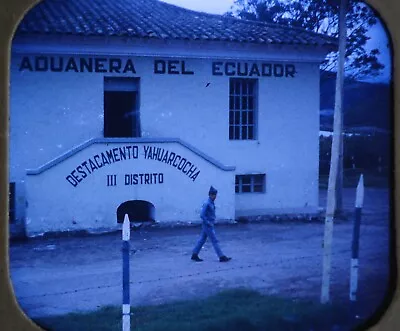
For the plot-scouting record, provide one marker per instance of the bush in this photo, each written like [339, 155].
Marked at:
[366, 153]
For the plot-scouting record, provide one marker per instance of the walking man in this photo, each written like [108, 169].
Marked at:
[208, 216]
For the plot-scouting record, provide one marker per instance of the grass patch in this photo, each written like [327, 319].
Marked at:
[233, 310]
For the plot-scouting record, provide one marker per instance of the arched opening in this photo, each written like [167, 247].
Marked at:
[139, 211]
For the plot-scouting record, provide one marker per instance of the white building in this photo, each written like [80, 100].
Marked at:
[123, 100]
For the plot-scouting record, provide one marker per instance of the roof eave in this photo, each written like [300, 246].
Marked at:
[133, 46]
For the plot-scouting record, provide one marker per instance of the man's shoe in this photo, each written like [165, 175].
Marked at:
[224, 259]
[196, 258]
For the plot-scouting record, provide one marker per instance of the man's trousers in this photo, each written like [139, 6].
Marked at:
[208, 231]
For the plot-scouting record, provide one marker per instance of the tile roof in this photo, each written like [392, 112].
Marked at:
[155, 19]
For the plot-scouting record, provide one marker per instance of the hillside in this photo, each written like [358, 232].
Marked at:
[365, 104]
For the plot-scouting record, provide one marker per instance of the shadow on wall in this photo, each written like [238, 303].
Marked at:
[138, 211]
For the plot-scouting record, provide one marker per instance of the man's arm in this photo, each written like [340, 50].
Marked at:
[203, 214]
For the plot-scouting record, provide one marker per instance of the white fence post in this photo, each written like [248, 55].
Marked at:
[126, 306]
[356, 240]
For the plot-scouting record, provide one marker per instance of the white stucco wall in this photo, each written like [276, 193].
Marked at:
[51, 113]
[288, 124]
[90, 202]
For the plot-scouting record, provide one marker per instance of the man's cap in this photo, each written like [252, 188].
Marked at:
[212, 190]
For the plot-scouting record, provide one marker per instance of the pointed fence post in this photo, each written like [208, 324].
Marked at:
[356, 240]
[126, 306]
[147, 217]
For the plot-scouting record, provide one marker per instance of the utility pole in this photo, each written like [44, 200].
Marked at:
[339, 181]
[335, 155]
[340, 175]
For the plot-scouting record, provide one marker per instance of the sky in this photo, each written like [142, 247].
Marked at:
[379, 38]
[208, 6]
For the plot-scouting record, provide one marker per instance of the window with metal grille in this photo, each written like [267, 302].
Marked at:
[250, 183]
[242, 109]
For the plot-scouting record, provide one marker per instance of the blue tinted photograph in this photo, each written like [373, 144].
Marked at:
[201, 165]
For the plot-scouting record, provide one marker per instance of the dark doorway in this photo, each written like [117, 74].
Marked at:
[139, 211]
[117, 109]
[121, 110]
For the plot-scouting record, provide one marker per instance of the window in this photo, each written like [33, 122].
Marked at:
[121, 110]
[11, 203]
[242, 104]
[250, 183]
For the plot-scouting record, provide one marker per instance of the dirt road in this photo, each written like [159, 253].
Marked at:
[58, 276]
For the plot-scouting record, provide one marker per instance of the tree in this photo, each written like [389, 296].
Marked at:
[322, 17]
